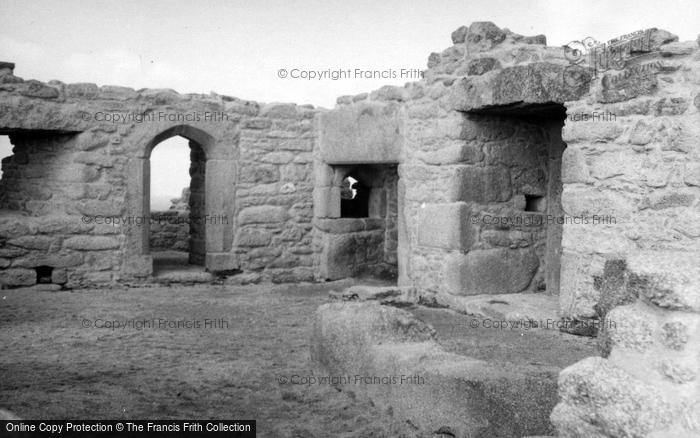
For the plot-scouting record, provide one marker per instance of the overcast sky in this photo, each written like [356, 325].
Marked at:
[237, 47]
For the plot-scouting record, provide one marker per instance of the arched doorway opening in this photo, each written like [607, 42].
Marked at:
[177, 207]
[211, 182]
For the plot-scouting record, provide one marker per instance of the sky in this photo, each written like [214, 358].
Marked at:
[236, 47]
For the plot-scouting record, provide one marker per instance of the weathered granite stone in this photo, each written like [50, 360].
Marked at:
[279, 110]
[389, 92]
[490, 271]
[15, 277]
[459, 35]
[366, 132]
[483, 35]
[91, 243]
[535, 83]
[32, 242]
[618, 404]
[659, 37]
[484, 184]
[677, 49]
[446, 226]
[359, 97]
[348, 225]
[114, 92]
[479, 66]
[161, 96]
[359, 325]
[253, 237]
[262, 214]
[629, 330]
[260, 174]
[675, 335]
[639, 82]
[344, 100]
[670, 280]
[82, 91]
[34, 88]
[537, 39]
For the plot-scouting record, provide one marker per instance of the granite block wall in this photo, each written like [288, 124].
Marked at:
[74, 194]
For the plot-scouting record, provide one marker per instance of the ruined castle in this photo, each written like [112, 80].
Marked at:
[510, 167]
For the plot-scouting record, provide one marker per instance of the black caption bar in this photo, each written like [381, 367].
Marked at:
[122, 428]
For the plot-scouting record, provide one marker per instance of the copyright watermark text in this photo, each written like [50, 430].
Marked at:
[336, 74]
[542, 219]
[357, 379]
[156, 116]
[140, 324]
[217, 219]
[527, 324]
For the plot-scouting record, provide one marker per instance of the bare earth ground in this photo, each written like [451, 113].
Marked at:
[55, 364]
[51, 367]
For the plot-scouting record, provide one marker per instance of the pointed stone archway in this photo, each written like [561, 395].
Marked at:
[212, 242]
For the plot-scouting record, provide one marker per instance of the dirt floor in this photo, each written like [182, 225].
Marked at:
[232, 357]
[55, 364]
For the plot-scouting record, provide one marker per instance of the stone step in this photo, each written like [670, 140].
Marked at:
[186, 276]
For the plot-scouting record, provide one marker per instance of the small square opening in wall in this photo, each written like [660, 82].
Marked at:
[535, 203]
[43, 274]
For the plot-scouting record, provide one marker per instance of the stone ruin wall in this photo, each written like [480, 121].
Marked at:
[642, 169]
[274, 194]
[488, 125]
[67, 166]
[170, 229]
[639, 275]
[464, 176]
[462, 147]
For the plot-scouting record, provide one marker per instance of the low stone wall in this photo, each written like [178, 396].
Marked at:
[451, 394]
[77, 253]
[170, 231]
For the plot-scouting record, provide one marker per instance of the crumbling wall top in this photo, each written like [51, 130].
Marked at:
[489, 69]
[55, 106]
